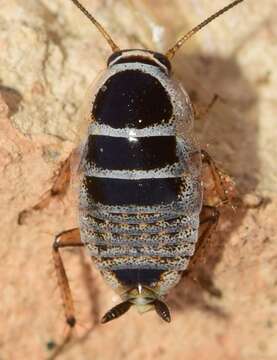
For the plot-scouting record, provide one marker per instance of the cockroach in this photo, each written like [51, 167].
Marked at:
[141, 180]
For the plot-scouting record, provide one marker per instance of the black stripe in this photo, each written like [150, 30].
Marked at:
[133, 277]
[144, 153]
[134, 99]
[144, 192]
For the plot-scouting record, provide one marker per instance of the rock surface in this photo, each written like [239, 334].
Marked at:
[49, 54]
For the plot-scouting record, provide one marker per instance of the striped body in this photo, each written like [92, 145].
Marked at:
[140, 195]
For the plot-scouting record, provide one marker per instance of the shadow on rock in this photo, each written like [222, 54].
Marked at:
[230, 134]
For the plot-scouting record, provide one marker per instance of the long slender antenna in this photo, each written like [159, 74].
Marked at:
[98, 25]
[171, 52]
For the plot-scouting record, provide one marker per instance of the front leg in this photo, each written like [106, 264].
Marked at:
[203, 111]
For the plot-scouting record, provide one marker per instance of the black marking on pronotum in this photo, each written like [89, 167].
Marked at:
[143, 153]
[143, 192]
[133, 99]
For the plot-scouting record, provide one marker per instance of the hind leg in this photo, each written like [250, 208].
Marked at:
[218, 190]
[208, 221]
[69, 238]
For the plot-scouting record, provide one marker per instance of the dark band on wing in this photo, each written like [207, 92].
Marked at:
[145, 153]
[143, 192]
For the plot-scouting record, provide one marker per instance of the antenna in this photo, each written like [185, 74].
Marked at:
[171, 52]
[98, 25]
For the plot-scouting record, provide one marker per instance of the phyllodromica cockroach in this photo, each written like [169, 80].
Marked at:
[141, 180]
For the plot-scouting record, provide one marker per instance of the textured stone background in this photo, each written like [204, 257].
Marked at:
[49, 53]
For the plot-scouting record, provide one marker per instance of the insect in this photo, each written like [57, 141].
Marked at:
[141, 181]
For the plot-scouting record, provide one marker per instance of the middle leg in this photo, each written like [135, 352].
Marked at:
[58, 190]
[219, 188]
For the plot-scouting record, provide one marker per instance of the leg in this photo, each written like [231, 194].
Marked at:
[199, 114]
[65, 239]
[219, 188]
[58, 189]
[208, 221]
